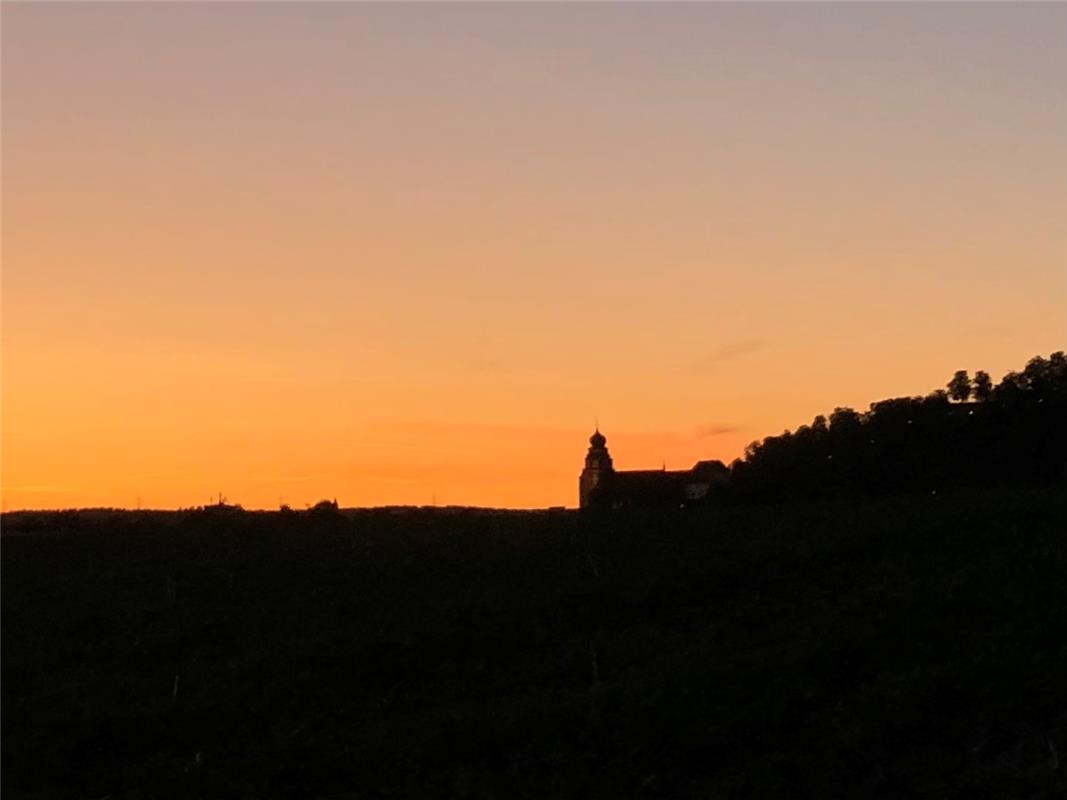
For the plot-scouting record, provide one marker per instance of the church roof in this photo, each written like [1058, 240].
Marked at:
[647, 484]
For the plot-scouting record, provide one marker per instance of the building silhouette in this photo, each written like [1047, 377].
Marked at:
[602, 486]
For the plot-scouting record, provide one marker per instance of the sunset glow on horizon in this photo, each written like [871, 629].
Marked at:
[411, 253]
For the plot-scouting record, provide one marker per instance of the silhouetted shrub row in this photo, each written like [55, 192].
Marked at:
[973, 435]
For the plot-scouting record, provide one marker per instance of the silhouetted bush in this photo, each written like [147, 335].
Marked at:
[326, 507]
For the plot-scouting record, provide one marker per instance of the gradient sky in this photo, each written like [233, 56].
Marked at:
[398, 253]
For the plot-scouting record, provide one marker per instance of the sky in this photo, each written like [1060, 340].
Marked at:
[411, 253]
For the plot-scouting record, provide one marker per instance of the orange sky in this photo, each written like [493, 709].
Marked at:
[406, 253]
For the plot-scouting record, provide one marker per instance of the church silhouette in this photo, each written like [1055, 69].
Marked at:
[602, 486]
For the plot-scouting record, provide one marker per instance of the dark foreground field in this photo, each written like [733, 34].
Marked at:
[910, 648]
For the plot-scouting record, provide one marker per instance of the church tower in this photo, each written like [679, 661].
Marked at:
[598, 468]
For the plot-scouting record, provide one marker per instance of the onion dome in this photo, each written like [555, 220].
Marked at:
[597, 439]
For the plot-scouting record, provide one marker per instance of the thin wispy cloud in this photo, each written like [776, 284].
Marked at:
[468, 428]
[673, 438]
[705, 431]
[730, 350]
[543, 431]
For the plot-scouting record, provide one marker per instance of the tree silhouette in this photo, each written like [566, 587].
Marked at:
[959, 388]
[844, 419]
[983, 386]
[1016, 436]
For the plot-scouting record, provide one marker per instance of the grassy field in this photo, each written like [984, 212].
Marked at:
[903, 648]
